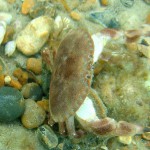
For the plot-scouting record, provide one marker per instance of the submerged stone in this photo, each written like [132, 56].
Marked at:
[34, 36]
[32, 91]
[33, 116]
[47, 136]
[11, 104]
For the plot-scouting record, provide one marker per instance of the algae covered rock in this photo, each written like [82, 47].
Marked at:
[11, 104]
[34, 36]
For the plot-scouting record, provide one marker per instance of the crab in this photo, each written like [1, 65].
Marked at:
[71, 94]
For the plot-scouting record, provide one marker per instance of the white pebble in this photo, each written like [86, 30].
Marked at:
[7, 80]
[127, 140]
[2, 30]
[10, 47]
[6, 17]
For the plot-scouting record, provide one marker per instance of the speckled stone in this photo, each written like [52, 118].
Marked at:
[47, 136]
[11, 104]
[32, 91]
[33, 116]
[34, 36]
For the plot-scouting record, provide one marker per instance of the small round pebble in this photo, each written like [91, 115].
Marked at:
[47, 136]
[104, 2]
[21, 75]
[11, 104]
[33, 116]
[32, 91]
[34, 65]
[75, 15]
[125, 139]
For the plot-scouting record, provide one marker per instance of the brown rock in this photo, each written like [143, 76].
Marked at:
[33, 116]
[34, 65]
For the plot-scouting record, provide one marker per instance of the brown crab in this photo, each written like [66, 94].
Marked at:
[71, 92]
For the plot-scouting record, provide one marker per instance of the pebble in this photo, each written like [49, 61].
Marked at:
[34, 65]
[33, 116]
[127, 3]
[10, 48]
[75, 15]
[11, 104]
[6, 17]
[125, 139]
[34, 36]
[32, 91]
[44, 104]
[15, 83]
[2, 30]
[47, 136]
[26, 6]
[21, 75]
[7, 80]
[104, 2]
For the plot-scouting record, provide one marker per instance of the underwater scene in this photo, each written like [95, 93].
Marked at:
[74, 74]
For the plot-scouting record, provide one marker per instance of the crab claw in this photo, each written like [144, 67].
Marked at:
[103, 127]
[128, 129]
[109, 127]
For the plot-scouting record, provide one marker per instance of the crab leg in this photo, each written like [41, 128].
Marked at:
[62, 127]
[98, 104]
[70, 127]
